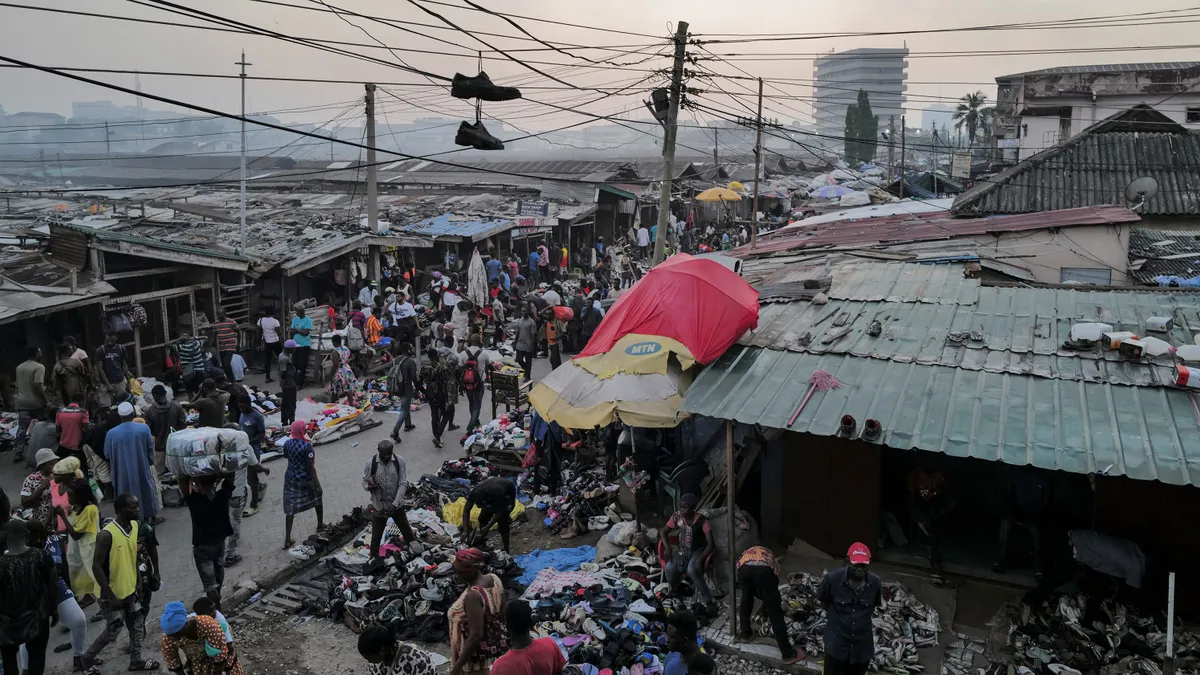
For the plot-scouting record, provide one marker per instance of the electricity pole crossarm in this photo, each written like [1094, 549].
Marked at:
[670, 130]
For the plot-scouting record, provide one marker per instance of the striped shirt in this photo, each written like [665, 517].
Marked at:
[191, 355]
[227, 335]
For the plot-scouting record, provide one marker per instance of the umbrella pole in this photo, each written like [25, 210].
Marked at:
[637, 512]
[729, 507]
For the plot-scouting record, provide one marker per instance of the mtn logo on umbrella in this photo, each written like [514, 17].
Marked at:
[643, 348]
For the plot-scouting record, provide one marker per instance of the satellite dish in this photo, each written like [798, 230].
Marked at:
[1139, 190]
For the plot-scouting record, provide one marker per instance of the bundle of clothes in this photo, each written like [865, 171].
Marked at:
[506, 431]
[902, 623]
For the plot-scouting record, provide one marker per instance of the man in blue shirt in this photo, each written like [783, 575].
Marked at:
[300, 328]
[534, 260]
[682, 641]
[653, 233]
[493, 269]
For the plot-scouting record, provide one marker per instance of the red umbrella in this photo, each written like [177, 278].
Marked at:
[696, 301]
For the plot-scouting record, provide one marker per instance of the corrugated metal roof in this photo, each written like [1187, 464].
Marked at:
[943, 225]
[1155, 253]
[1143, 433]
[923, 308]
[1094, 167]
[450, 225]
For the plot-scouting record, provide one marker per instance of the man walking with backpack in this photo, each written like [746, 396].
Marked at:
[473, 362]
[440, 391]
[384, 479]
[401, 384]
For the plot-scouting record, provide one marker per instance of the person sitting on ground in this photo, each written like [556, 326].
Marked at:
[496, 498]
[477, 631]
[389, 655]
[695, 546]
[201, 641]
[525, 655]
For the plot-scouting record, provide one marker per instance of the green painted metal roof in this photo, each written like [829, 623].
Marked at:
[1148, 433]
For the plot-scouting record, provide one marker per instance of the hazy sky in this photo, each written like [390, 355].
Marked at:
[60, 40]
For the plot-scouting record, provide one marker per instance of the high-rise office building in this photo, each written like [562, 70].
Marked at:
[837, 78]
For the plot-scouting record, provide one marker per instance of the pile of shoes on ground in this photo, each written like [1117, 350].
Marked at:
[586, 501]
[608, 615]
[1074, 635]
[319, 542]
[902, 624]
[412, 590]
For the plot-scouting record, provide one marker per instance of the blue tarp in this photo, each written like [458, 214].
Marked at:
[1193, 282]
[561, 559]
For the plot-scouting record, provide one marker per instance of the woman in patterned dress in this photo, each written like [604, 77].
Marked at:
[301, 487]
[200, 639]
[477, 632]
[343, 382]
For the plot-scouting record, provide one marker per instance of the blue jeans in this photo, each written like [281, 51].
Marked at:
[404, 418]
[475, 404]
[695, 572]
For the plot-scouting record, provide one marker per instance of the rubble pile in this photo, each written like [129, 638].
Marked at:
[902, 623]
[1107, 638]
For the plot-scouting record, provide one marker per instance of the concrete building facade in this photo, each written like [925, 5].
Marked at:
[837, 78]
[1037, 110]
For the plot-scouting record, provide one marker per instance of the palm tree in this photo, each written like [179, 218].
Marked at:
[969, 114]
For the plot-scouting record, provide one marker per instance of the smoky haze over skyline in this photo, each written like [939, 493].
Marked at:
[71, 41]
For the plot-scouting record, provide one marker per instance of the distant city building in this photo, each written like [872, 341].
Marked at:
[840, 75]
[938, 114]
[1041, 108]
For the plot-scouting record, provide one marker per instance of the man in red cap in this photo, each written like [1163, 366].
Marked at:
[850, 595]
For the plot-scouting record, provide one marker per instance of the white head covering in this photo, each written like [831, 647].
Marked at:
[125, 409]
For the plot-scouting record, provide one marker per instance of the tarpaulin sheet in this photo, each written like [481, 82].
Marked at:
[698, 302]
[559, 559]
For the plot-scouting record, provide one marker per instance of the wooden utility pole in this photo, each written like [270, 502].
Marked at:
[758, 124]
[891, 139]
[243, 64]
[716, 160]
[372, 192]
[670, 130]
[903, 129]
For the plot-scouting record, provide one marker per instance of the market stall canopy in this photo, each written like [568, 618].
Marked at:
[696, 302]
[637, 354]
[718, 194]
[579, 399]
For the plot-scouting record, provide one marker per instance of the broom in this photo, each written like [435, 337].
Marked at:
[820, 379]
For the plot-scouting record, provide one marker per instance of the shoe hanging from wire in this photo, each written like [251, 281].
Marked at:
[481, 89]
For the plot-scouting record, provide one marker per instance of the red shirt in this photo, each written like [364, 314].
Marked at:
[540, 658]
[71, 419]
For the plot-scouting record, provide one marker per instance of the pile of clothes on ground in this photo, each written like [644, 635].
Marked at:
[1075, 635]
[506, 431]
[608, 614]
[586, 500]
[902, 624]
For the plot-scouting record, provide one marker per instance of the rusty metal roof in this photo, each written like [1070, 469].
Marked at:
[929, 226]
[1082, 427]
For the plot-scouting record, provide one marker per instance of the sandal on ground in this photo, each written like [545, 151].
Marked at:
[62, 648]
[145, 664]
[250, 511]
[288, 543]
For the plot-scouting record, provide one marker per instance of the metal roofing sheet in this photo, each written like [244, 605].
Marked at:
[1019, 330]
[1094, 169]
[1107, 68]
[1143, 433]
[932, 226]
[1163, 252]
[449, 225]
